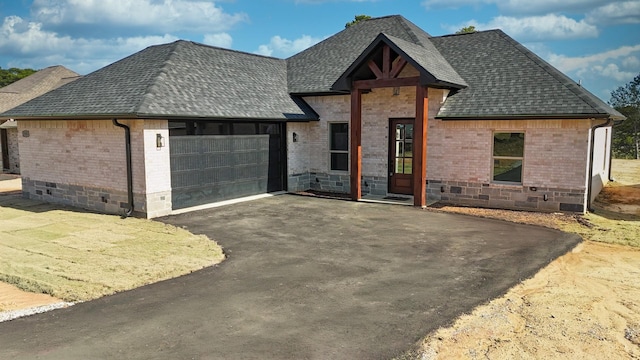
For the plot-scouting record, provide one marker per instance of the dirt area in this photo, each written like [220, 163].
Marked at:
[12, 298]
[623, 195]
[583, 305]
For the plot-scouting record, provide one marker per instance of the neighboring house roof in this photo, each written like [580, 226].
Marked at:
[177, 80]
[9, 124]
[506, 80]
[34, 85]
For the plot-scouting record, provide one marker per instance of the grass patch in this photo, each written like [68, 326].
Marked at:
[606, 227]
[79, 256]
[616, 216]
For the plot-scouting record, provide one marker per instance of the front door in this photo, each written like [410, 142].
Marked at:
[401, 156]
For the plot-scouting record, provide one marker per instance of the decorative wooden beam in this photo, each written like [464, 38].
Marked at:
[420, 147]
[356, 144]
[386, 61]
[376, 70]
[397, 67]
[380, 83]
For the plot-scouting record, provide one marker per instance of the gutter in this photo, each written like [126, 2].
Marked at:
[592, 150]
[127, 137]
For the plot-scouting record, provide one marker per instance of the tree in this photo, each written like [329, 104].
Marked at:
[626, 136]
[357, 19]
[467, 30]
[8, 76]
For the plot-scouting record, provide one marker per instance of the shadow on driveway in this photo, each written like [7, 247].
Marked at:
[305, 278]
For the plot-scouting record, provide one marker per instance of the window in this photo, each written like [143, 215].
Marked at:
[339, 146]
[508, 153]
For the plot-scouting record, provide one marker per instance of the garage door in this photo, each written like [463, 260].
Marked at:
[211, 168]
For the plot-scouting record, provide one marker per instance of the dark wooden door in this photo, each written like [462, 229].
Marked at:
[401, 156]
[5, 149]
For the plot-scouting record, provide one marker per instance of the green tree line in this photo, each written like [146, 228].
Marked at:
[11, 75]
[626, 135]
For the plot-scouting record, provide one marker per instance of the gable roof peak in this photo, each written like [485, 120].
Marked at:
[316, 69]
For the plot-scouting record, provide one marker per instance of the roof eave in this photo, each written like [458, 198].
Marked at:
[527, 117]
[285, 118]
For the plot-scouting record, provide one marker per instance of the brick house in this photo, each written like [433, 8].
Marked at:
[380, 109]
[18, 93]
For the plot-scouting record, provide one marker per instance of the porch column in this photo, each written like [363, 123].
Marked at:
[420, 147]
[356, 144]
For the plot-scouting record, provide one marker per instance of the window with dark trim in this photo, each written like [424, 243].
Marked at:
[508, 156]
[339, 146]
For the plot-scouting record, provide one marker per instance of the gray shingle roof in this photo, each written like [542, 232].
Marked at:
[316, 69]
[180, 79]
[508, 80]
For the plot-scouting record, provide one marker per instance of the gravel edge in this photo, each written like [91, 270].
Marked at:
[14, 314]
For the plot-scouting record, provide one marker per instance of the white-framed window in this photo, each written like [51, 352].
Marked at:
[508, 157]
[339, 146]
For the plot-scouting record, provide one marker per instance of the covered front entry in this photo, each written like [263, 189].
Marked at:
[382, 65]
[401, 156]
[216, 161]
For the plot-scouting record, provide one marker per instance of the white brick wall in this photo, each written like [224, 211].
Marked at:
[78, 152]
[91, 153]
[555, 151]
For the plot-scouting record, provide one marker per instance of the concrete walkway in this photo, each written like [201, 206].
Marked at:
[305, 278]
[10, 184]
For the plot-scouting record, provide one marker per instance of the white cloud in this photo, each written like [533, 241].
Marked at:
[223, 40]
[327, 1]
[566, 63]
[631, 62]
[37, 48]
[452, 4]
[279, 46]
[624, 12]
[157, 15]
[612, 71]
[536, 28]
[521, 7]
[602, 71]
[547, 6]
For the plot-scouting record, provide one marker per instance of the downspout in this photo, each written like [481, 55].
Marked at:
[127, 139]
[590, 174]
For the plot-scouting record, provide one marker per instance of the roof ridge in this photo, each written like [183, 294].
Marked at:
[469, 33]
[405, 26]
[579, 91]
[148, 93]
[231, 50]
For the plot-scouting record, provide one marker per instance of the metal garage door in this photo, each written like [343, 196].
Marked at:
[210, 168]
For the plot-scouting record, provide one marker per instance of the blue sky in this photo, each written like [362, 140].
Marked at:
[596, 42]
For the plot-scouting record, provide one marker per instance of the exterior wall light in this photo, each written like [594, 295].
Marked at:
[295, 137]
[396, 91]
[159, 141]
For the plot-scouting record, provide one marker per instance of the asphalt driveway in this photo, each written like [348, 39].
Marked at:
[305, 278]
